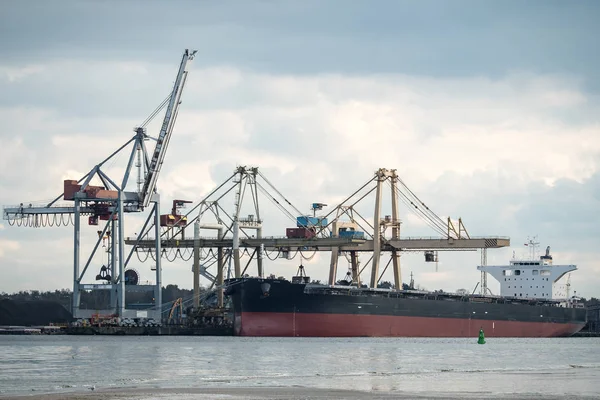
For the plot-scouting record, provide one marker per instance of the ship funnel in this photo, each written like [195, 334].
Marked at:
[547, 256]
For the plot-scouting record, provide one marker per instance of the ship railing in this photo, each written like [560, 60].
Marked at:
[354, 291]
[417, 294]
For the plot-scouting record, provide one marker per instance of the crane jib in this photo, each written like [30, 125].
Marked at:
[165, 132]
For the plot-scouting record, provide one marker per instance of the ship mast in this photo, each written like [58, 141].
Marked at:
[532, 245]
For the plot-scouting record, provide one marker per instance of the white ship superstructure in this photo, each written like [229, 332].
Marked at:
[531, 278]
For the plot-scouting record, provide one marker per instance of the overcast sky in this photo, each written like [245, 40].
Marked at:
[488, 110]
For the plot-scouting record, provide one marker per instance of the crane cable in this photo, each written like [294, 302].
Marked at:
[278, 192]
[156, 111]
[433, 215]
[276, 202]
[429, 217]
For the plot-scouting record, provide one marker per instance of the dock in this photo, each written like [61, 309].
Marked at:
[30, 330]
[149, 331]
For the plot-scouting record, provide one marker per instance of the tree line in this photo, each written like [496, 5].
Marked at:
[100, 298]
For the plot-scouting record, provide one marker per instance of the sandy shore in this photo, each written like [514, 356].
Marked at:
[254, 393]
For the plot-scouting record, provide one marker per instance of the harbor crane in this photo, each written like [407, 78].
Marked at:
[109, 202]
[343, 232]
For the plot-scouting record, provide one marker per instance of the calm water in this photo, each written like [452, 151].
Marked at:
[40, 364]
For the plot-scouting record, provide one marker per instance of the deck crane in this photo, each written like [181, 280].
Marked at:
[109, 203]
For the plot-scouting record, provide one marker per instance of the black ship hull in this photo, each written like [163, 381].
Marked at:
[273, 307]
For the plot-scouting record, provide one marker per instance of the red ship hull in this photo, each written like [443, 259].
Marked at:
[352, 325]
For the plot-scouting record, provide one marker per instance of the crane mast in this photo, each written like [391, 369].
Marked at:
[162, 142]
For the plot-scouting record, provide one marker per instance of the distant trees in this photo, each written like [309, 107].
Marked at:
[173, 292]
[98, 299]
[591, 302]
[386, 285]
[62, 296]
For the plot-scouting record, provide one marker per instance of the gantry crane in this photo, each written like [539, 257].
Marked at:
[110, 202]
[343, 232]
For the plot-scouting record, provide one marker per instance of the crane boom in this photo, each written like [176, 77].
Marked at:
[162, 142]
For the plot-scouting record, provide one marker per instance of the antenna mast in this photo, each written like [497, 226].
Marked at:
[532, 244]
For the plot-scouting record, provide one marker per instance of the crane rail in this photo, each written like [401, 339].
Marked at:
[326, 244]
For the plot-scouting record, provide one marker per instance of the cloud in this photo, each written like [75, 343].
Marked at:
[423, 38]
[7, 246]
[510, 155]
[16, 74]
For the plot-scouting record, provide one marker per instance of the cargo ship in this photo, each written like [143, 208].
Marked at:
[299, 308]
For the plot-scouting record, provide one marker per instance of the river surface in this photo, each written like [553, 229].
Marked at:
[460, 367]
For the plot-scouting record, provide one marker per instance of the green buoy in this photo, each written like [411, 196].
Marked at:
[481, 339]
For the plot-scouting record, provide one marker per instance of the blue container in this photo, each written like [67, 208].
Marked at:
[349, 234]
[307, 222]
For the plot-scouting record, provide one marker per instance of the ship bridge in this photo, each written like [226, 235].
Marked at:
[530, 278]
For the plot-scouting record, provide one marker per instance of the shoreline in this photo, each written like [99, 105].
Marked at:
[179, 332]
[280, 393]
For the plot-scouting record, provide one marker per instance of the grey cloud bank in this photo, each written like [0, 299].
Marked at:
[488, 110]
[436, 38]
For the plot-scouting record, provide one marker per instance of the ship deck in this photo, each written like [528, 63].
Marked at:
[418, 294]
